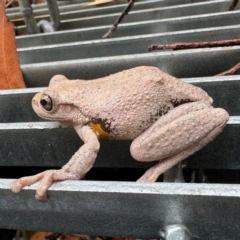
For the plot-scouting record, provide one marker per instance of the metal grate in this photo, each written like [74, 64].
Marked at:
[127, 209]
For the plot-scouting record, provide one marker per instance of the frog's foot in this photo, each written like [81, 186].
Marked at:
[76, 168]
[46, 179]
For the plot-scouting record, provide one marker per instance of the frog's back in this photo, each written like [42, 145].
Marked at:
[152, 82]
[142, 74]
[127, 103]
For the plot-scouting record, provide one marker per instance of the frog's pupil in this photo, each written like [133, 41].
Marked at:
[43, 102]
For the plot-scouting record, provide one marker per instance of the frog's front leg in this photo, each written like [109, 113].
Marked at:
[177, 135]
[80, 163]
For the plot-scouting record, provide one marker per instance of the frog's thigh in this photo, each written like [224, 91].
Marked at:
[196, 128]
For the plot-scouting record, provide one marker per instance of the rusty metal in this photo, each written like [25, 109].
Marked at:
[125, 12]
[8, 3]
[233, 5]
[190, 45]
[234, 70]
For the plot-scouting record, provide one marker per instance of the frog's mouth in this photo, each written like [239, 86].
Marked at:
[53, 118]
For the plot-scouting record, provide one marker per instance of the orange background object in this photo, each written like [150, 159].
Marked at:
[10, 72]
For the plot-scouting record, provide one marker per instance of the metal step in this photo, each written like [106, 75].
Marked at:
[14, 13]
[125, 209]
[133, 29]
[125, 45]
[69, 11]
[46, 145]
[116, 208]
[144, 15]
[61, 4]
[217, 87]
[173, 63]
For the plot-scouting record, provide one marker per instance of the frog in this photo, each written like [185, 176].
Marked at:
[166, 118]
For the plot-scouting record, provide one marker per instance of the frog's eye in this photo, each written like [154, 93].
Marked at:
[46, 102]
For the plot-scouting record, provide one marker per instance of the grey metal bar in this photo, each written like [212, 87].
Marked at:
[211, 158]
[118, 8]
[46, 144]
[54, 13]
[148, 14]
[198, 62]
[51, 145]
[162, 26]
[26, 10]
[31, 25]
[121, 46]
[84, 10]
[15, 105]
[45, 26]
[175, 174]
[9, 11]
[81, 10]
[88, 10]
[41, 10]
[125, 209]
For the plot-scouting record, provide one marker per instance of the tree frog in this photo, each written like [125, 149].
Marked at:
[167, 119]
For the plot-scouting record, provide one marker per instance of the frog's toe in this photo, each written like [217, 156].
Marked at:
[41, 198]
[16, 186]
[45, 184]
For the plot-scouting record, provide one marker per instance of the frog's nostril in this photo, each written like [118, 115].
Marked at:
[34, 102]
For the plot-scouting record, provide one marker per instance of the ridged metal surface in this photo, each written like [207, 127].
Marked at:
[144, 15]
[224, 91]
[182, 64]
[46, 144]
[79, 10]
[125, 45]
[209, 211]
[156, 26]
[43, 7]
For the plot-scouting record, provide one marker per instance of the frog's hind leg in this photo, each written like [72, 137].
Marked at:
[179, 138]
